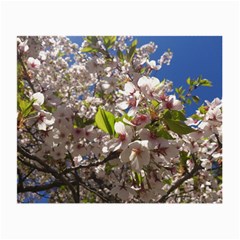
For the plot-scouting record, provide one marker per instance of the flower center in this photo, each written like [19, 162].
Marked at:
[122, 137]
[137, 151]
[169, 105]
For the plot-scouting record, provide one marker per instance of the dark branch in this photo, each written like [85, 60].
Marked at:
[39, 188]
[180, 182]
[49, 170]
[110, 157]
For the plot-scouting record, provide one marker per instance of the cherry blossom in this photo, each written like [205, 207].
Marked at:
[45, 119]
[151, 87]
[137, 153]
[33, 64]
[124, 137]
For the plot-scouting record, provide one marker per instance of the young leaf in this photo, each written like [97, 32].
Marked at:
[28, 108]
[205, 83]
[109, 41]
[120, 55]
[105, 121]
[132, 50]
[178, 127]
[189, 82]
[195, 99]
[89, 49]
[155, 103]
[202, 109]
[92, 39]
[196, 117]
[188, 101]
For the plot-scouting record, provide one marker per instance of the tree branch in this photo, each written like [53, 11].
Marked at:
[110, 157]
[38, 188]
[49, 169]
[180, 182]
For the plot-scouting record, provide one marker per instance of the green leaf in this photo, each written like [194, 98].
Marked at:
[60, 54]
[155, 103]
[138, 178]
[174, 115]
[196, 117]
[109, 41]
[188, 101]
[25, 106]
[105, 121]
[92, 39]
[202, 109]
[162, 133]
[195, 99]
[167, 181]
[178, 127]
[28, 108]
[189, 82]
[89, 49]
[205, 83]
[108, 168]
[180, 90]
[120, 55]
[82, 122]
[132, 50]
[183, 157]
[143, 69]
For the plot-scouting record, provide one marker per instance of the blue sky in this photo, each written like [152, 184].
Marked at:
[192, 56]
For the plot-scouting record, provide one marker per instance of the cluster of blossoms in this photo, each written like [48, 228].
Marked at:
[94, 125]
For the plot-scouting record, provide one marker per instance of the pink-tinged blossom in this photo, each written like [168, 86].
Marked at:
[152, 138]
[214, 115]
[129, 89]
[123, 191]
[166, 149]
[39, 100]
[137, 153]
[45, 119]
[63, 116]
[148, 48]
[172, 103]
[206, 163]
[152, 65]
[79, 148]
[33, 63]
[77, 160]
[78, 133]
[42, 55]
[194, 136]
[215, 103]
[131, 103]
[23, 47]
[58, 152]
[90, 133]
[151, 87]
[190, 164]
[192, 122]
[108, 84]
[190, 144]
[141, 120]
[51, 99]
[166, 58]
[133, 98]
[124, 137]
[61, 136]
